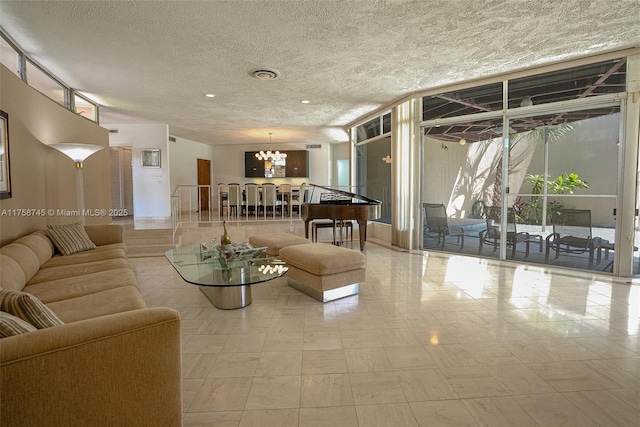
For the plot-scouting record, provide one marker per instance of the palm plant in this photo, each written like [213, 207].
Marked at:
[566, 183]
[542, 133]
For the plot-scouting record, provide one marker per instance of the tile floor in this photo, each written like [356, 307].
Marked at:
[431, 340]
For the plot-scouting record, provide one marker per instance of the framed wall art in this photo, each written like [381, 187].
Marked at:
[150, 157]
[5, 169]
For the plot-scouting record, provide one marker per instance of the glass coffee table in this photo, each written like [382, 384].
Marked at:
[228, 286]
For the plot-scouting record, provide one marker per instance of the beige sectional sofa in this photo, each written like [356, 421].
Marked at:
[114, 362]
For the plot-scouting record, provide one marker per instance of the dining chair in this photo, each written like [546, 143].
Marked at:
[234, 200]
[298, 199]
[270, 199]
[252, 198]
[223, 198]
[284, 191]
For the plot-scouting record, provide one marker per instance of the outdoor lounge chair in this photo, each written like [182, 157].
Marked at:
[572, 234]
[492, 234]
[436, 226]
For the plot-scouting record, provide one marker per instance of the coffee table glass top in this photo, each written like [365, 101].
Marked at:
[189, 263]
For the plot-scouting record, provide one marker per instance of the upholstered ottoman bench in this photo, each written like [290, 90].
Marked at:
[325, 272]
[276, 241]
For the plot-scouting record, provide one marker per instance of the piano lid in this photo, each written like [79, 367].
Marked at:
[328, 195]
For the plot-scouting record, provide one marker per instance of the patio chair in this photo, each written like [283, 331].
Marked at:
[491, 235]
[572, 234]
[436, 226]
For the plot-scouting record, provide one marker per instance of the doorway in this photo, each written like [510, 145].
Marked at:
[204, 178]
[121, 176]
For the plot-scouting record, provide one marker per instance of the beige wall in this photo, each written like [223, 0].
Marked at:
[41, 177]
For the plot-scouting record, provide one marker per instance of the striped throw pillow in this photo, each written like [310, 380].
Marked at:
[70, 238]
[11, 325]
[28, 308]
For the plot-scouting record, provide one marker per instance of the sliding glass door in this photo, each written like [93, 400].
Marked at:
[558, 171]
[527, 169]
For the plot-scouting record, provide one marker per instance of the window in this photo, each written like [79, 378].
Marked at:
[12, 56]
[84, 107]
[562, 156]
[46, 84]
[9, 57]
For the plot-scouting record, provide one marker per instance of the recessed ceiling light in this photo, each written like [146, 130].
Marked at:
[305, 101]
[209, 95]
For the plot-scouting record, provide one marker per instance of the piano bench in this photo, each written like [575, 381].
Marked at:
[276, 241]
[322, 271]
[340, 224]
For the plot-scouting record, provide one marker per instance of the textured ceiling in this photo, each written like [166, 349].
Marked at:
[152, 62]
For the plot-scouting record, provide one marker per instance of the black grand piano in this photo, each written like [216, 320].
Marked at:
[330, 203]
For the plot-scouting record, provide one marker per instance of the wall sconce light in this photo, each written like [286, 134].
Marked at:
[387, 159]
[462, 141]
[444, 147]
[78, 153]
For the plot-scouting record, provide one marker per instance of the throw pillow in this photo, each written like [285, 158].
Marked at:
[28, 308]
[11, 325]
[70, 238]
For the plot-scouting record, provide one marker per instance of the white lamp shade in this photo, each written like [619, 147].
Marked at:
[77, 152]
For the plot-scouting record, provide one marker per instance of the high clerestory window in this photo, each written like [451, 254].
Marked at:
[9, 57]
[18, 62]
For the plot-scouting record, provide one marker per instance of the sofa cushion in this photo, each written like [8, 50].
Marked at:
[40, 244]
[12, 277]
[77, 270]
[70, 238]
[28, 308]
[89, 256]
[11, 325]
[73, 287]
[112, 301]
[26, 260]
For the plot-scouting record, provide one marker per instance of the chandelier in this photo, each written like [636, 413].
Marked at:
[273, 156]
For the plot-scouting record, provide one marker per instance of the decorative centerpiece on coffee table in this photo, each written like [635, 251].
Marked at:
[209, 249]
[239, 253]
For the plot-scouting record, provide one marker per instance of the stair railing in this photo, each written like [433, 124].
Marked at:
[186, 201]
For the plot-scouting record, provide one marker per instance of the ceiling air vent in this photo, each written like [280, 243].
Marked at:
[172, 139]
[314, 146]
[113, 130]
[265, 74]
